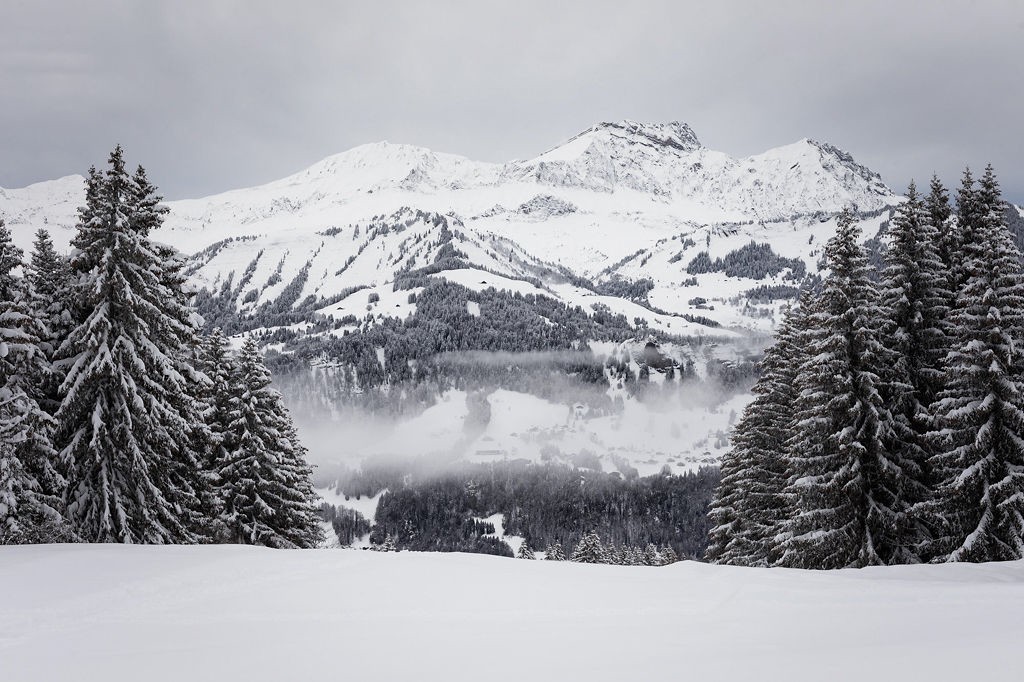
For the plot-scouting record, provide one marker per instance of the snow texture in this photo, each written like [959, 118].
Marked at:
[254, 614]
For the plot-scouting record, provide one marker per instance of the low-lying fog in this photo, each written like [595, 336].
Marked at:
[614, 424]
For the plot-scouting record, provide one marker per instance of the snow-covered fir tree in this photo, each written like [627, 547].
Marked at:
[966, 229]
[187, 362]
[268, 492]
[590, 550]
[30, 485]
[938, 212]
[977, 512]
[525, 552]
[218, 365]
[48, 276]
[10, 262]
[555, 553]
[215, 442]
[668, 556]
[845, 484]
[915, 296]
[126, 418]
[749, 504]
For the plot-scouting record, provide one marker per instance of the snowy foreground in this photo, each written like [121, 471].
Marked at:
[238, 613]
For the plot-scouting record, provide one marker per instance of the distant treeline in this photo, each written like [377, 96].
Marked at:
[547, 504]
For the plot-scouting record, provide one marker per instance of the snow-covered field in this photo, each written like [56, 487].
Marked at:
[237, 613]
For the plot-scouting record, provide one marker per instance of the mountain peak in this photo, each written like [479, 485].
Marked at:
[675, 134]
[845, 158]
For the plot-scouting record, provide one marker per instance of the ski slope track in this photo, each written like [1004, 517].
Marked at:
[245, 613]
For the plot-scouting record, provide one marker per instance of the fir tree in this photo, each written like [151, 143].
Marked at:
[749, 504]
[125, 420]
[844, 483]
[555, 553]
[947, 243]
[651, 556]
[668, 556]
[268, 493]
[966, 231]
[977, 513]
[48, 276]
[216, 444]
[525, 552]
[10, 261]
[149, 212]
[30, 485]
[590, 550]
[914, 295]
[191, 402]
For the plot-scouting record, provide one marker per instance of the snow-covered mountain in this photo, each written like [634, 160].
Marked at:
[669, 161]
[635, 223]
[620, 199]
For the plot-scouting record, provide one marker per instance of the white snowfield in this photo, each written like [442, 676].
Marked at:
[238, 613]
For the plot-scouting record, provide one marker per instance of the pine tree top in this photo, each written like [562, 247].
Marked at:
[10, 261]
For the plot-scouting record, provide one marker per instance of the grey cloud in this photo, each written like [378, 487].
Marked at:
[215, 95]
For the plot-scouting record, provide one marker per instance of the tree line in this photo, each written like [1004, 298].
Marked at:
[548, 504]
[121, 422]
[752, 260]
[888, 422]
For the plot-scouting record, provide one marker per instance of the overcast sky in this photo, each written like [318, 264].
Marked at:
[215, 95]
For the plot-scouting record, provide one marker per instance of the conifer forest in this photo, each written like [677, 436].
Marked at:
[887, 423]
[123, 421]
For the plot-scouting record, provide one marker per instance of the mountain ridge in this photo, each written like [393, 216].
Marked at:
[402, 160]
[620, 200]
